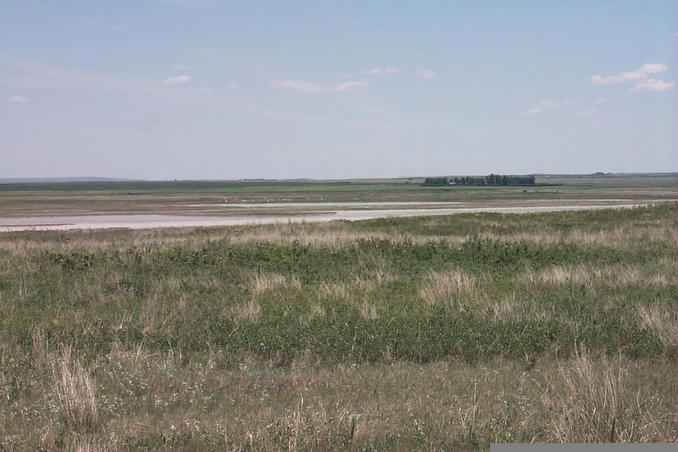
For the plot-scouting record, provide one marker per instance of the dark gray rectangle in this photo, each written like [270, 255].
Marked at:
[582, 447]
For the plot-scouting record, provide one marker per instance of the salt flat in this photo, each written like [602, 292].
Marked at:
[62, 223]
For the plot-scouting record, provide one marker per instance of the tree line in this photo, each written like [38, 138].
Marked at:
[492, 179]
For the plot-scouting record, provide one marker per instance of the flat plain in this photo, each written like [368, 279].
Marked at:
[436, 333]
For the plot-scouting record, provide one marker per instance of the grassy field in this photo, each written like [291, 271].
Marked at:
[204, 197]
[413, 333]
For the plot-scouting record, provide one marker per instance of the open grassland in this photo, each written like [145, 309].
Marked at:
[413, 333]
[205, 197]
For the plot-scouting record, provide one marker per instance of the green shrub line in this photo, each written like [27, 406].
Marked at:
[312, 262]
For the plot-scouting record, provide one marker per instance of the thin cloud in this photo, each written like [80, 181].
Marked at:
[620, 78]
[426, 73]
[233, 85]
[373, 72]
[17, 100]
[308, 87]
[177, 79]
[206, 90]
[32, 75]
[653, 68]
[639, 74]
[350, 86]
[299, 85]
[544, 105]
[652, 85]
[579, 109]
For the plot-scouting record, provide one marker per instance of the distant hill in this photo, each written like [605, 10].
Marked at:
[33, 180]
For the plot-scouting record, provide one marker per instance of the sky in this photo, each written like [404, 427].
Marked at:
[208, 89]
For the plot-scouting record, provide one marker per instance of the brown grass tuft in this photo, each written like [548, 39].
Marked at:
[75, 391]
[261, 282]
[250, 310]
[608, 275]
[663, 322]
[40, 347]
[592, 402]
[368, 310]
[449, 287]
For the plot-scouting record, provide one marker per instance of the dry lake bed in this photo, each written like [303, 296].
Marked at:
[301, 213]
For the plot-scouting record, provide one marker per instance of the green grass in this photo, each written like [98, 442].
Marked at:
[57, 290]
[552, 223]
[206, 197]
[225, 316]
[272, 186]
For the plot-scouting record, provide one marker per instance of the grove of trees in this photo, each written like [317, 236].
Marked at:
[492, 179]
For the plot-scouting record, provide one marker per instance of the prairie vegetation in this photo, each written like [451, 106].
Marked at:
[411, 333]
[206, 197]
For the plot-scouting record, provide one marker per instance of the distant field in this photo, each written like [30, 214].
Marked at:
[203, 197]
[446, 332]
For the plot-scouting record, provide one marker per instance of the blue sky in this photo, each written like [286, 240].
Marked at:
[193, 89]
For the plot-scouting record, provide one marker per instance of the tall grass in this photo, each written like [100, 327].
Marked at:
[594, 403]
[479, 329]
[75, 389]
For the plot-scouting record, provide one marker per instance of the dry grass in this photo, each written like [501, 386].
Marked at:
[335, 290]
[250, 311]
[478, 293]
[75, 390]
[335, 234]
[328, 234]
[663, 321]
[623, 237]
[512, 306]
[258, 285]
[381, 274]
[40, 347]
[368, 310]
[594, 403]
[608, 275]
[451, 287]
[358, 288]
[262, 282]
[152, 395]
[152, 314]
[158, 400]
[311, 234]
